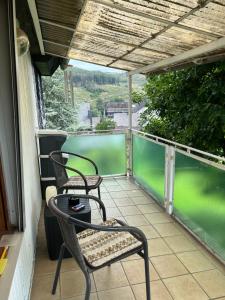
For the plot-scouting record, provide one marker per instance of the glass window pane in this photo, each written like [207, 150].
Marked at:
[149, 165]
[199, 200]
[107, 151]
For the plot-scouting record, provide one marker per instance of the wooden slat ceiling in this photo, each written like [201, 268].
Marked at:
[130, 34]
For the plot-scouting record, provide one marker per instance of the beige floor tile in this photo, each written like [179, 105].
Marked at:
[184, 288]
[136, 193]
[118, 195]
[44, 265]
[148, 208]
[168, 266]
[129, 210]
[102, 189]
[158, 218]
[195, 261]
[213, 282]
[69, 264]
[109, 203]
[42, 287]
[72, 284]
[180, 243]
[158, 291]
[113, 212]
[142, 200]
[135, 271]
[95, 214]
[109, 182]
[129, 187]
[137, 220]
[105, 196]
[110, 277]
[114, 188]
[123, 293]
[149, 231]
[124, 202]
[158, 247]
[168, 229]
[93, 297]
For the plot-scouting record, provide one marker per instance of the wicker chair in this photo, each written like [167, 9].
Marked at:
[78, 182]
[98, 245]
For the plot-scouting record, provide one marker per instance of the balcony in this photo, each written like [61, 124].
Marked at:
[175, 195]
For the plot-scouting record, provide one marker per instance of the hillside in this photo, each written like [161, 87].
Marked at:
[90, 86]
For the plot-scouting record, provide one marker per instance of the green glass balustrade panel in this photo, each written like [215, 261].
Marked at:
[149, 166]
[107, 151]
[199, 200]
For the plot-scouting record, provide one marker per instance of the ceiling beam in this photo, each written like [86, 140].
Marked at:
[67, 57]
[88, 51]
[170, 25]
[92, 34]
[158, 19]
[56, 24]
[187, 55]
[34, 15]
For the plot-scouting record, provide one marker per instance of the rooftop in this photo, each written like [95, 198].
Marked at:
[180, 267]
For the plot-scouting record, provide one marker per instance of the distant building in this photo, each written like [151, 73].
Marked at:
[119, 113]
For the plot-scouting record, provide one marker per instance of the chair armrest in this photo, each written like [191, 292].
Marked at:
[89, 197]
[85, 158]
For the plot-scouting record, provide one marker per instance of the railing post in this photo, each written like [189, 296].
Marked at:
[129, 137]
[169, 178]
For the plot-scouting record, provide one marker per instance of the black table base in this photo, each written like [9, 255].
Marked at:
[52, 230]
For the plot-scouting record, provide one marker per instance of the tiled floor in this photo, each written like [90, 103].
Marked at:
[181, 269]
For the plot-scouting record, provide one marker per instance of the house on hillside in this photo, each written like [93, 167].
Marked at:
[119, 113]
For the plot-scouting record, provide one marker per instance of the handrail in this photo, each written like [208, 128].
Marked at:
[93, 132]
[187, 148]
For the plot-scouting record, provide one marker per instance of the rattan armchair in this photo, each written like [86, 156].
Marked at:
[77, 182]
[98, 245]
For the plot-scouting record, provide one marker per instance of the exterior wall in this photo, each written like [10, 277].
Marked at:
[8, 134]
[31, 183]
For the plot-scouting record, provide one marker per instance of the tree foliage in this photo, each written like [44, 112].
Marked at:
[188, 106]
[59, 114]
[106, 124]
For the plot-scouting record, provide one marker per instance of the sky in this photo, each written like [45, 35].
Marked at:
[93, 67]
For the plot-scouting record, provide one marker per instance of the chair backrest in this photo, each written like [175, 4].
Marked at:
[59, 163]
[67, 228]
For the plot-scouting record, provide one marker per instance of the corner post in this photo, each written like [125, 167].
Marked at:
[129, 137]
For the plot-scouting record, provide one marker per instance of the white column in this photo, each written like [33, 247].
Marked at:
[169, 178]
[129, 138]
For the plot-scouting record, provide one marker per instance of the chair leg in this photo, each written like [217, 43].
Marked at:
[147, 272]
[99, 193]
[88, 285]
[58, 269]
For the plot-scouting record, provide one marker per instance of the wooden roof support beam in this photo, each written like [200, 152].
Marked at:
[89, 51]
[169, 25]
[34, 14]
[67, 57]
[92, 34]
[192, 54]
[158, 19]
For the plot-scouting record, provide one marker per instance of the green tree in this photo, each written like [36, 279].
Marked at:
[105, 124]
[59, 114]
[188, 106]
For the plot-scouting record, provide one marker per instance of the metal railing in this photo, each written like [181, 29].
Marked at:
[188, 185]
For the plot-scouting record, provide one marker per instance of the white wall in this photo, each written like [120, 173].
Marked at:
[31, 183]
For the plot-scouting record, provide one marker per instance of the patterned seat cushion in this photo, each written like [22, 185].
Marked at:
[78, 182]
[99, 247]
